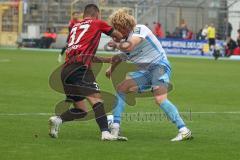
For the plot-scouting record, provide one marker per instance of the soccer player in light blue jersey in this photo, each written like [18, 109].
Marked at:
[143, 49]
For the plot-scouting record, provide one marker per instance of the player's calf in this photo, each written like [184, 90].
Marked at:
[73, 114]
[172, 113]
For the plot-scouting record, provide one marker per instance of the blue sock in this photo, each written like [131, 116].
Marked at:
[172, 113]
[119, 107]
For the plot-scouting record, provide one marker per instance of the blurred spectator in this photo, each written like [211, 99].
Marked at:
[146, 24]
[158, 31]
[238, 38]
[205, 32]
[53, 34]
[176, 33]
[211, 35]
[236, 51]
[184, 31]
[189, 35]
[199, 34]
[227, 29]
[202, 34]
[231, 46]
[48, 38]
[168, 34]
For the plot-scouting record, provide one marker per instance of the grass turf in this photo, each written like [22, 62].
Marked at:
[199, 84]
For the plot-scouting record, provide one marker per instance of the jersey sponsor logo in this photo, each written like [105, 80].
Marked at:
[137, 30]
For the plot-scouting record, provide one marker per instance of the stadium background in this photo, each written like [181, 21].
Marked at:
[25, 19]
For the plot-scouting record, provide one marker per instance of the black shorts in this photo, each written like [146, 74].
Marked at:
[78, 82]
[212, 42]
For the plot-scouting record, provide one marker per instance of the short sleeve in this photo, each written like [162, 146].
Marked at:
[105, 28]
[140, 31]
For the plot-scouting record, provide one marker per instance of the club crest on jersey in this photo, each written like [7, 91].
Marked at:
[162, 71]
[137, 30]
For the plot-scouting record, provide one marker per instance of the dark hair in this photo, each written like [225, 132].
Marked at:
[91, 10]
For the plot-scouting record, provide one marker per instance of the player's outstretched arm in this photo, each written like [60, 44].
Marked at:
[113, 60]
[116, 60]
[127, 46]
[98, 59]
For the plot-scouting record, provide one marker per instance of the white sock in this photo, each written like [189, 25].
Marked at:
[105, 132]
[59, 119]
[183, 129]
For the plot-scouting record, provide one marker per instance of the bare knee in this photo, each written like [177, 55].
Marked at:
[127, 86]
[159, 99]
[122, 88]
[81, 105]
[94, 98]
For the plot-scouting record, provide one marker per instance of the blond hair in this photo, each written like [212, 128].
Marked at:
[121, 20]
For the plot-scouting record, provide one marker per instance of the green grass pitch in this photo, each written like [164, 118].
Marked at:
[208, 88]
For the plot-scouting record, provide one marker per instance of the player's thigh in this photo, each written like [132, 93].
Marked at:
[160, 83]
[72, 76]
[142, 81]
[92, 88]
[80, 84]
[160, 76]
[128, 85]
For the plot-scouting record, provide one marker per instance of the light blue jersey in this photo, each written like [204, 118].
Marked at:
[154, 71]
[149, 52]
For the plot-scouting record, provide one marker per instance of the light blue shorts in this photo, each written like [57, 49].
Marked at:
[155, 76]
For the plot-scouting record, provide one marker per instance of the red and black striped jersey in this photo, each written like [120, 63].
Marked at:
[84, 40]
[71, 23]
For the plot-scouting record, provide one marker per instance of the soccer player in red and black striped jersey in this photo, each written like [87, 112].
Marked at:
[75, 19]
[77, 77]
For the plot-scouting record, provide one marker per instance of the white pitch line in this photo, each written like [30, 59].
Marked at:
[211, 112]
[49, 114]
[26, 114]
[115, 52]
[4, 60]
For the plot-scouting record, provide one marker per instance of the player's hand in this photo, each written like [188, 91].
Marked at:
[116, 59]
[117, 36]
[109, 73]
[112, 44]
[116, 39]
